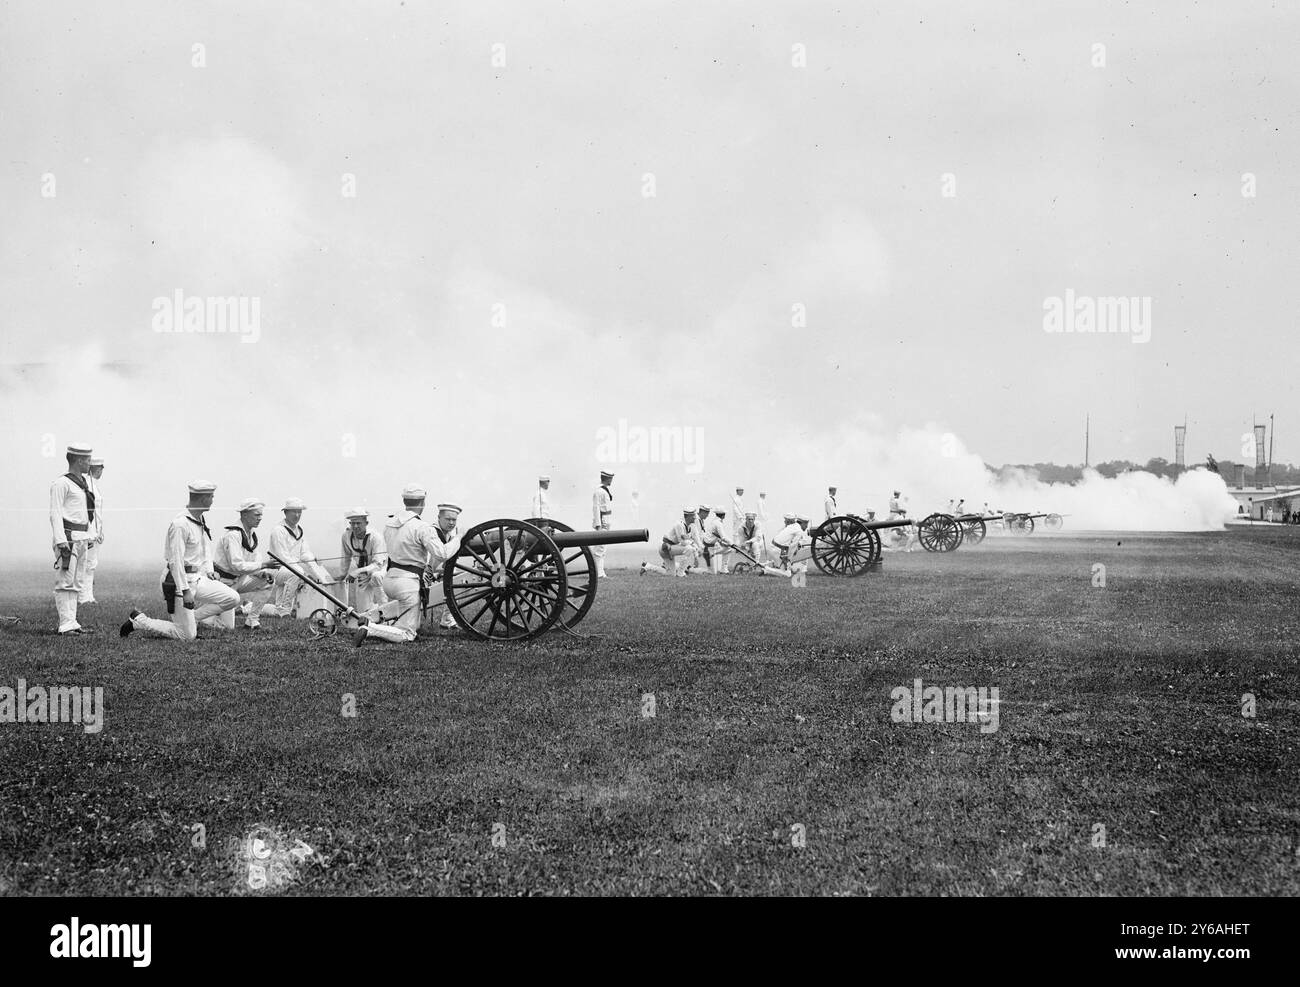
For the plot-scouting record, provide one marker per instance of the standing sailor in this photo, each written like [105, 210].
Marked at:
[289, 542]
[413, 545]
[829, 506]
[737, 512]
[602, 517]
[87, 594]
[364, 546]
[72, 513]
[239, 564]
[190, 576]
[541, 504]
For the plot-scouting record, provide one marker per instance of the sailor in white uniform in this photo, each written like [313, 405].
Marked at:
[413, 545]
[677, 549]
[87, 594]
[189, 584]
[363, 547]
[72, 514]
[541, 503]
[239, 563]
[829, 505]
[602, 517]
[289, 542]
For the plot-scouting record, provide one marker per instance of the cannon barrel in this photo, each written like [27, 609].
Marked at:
[617, 536]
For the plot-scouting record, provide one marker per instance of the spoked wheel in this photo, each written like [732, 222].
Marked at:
[975, 531]
[844, 546]
[508, 582]
[1027, 524]
[580, 568]
[322, 623]
[1019, 524]
[1053, 522]
[940, 533]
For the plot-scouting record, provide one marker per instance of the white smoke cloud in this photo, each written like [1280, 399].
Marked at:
[932, 466]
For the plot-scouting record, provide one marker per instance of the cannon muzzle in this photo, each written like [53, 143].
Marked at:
[618, 536]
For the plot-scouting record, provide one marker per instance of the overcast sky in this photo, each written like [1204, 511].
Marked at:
[502, 285]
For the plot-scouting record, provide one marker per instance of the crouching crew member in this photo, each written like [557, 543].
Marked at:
[677, 550]
[413, 545]
[72, 513]
[715, 537]
[365, 547]
[289, 542]
[189, 585]
[239, 563]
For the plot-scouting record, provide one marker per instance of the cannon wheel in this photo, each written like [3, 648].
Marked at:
[1053, 522]
[845, 546]
[580, 568]
[508, 582]
[975, 532]
[322, 623]
[939, 533]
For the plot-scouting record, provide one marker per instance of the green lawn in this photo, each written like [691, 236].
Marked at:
[1120, 706]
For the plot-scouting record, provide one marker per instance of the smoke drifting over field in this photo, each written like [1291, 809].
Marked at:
[932, 466]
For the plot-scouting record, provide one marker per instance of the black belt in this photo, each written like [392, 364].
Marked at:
[418, 570]
[223, 574]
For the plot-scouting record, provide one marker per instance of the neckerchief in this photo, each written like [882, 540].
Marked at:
[201, 523]
[246, 538]
[90, 496]
[296, 536]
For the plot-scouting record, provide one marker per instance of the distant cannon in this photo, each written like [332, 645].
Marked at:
[975, 527]
[1023, 524]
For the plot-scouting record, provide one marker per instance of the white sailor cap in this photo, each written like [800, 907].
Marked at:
[79, 449]
[720, 511]
[202, 487]
[356, 512]
[800, 517]
[789, 518]
[413, 491]
[832, 487]
[705, 507]
[294, 504]
[543, 479]
[251, 504]
[750, 515]
[606, 473]
[96, 460]
[688, 509]
[455, 508]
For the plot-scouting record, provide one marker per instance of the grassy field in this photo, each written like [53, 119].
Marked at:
[533, 769]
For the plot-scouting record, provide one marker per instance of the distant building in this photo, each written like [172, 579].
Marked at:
[1253, 502]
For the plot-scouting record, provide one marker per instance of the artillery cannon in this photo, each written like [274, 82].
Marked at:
[509, 581]
[1023, 524]
[512, 580]
[975, 527]
[849, 545]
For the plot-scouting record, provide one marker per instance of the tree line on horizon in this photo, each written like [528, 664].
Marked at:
[1283, 474]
